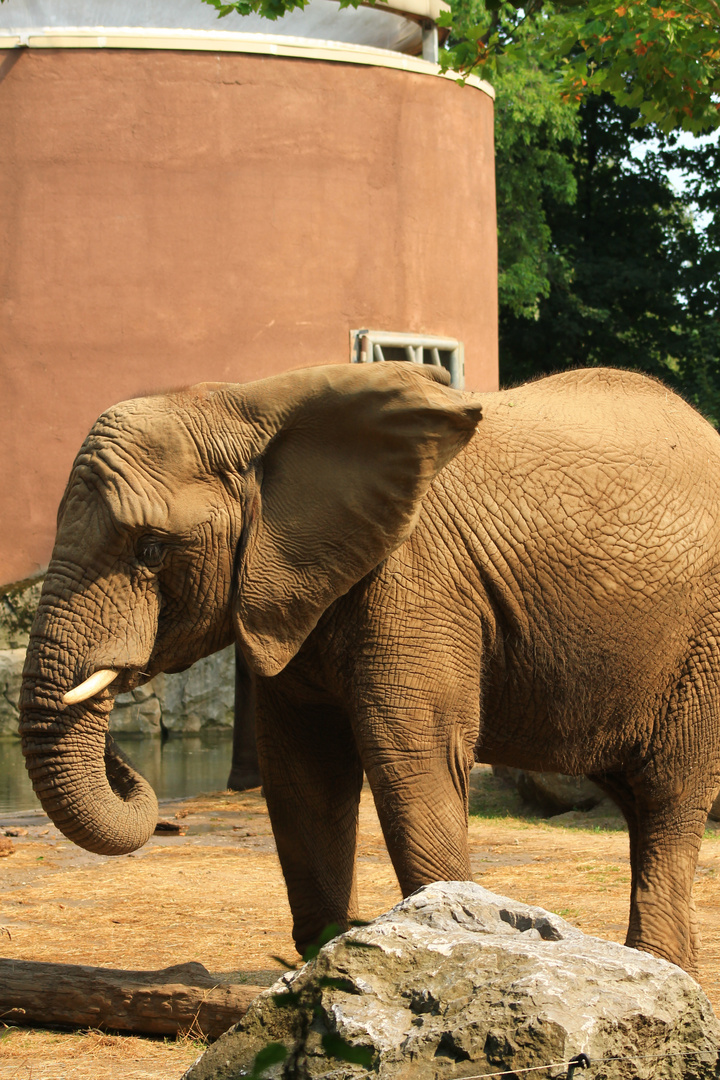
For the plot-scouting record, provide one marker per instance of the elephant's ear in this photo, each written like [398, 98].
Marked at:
[349, 454]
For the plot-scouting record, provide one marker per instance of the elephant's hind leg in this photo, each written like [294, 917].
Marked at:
[662, 912]
[664, 846]
[312, 779]
[666, 804]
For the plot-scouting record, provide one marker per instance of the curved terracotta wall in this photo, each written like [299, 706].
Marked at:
[168, 217]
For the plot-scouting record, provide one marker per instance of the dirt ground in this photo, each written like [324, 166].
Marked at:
[216, 895]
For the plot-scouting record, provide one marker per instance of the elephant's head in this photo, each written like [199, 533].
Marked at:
[214, 513]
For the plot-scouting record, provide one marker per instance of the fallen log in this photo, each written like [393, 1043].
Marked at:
[182, 999]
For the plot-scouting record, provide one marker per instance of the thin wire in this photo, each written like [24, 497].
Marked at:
[655, 1057]
[513, 1072]
[598, 1061]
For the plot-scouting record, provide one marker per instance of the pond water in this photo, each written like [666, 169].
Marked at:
[176, 767]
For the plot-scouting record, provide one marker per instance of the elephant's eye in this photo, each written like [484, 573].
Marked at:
[150, 552]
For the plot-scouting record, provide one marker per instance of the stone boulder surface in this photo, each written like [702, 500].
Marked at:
[11, 665]
[456, 981]
[18, 603]
[555, 793]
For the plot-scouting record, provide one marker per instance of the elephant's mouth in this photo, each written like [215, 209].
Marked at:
[122, 679]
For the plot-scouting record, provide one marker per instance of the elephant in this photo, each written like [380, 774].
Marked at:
[245, 767]
[417, 578]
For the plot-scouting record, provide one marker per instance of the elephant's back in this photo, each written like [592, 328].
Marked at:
[623, 406]
[626, 425]
[599, 482]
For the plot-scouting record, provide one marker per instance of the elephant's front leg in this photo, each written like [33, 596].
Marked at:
[312, 779]
[416, 740]
[245, 770]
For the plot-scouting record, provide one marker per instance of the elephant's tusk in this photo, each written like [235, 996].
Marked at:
[92, 686]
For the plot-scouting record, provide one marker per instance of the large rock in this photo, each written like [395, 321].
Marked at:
[555, 793]
[456, 981]
[138, 712]
[11, 665]
[201, 697]
[194, 700]
[18, 604]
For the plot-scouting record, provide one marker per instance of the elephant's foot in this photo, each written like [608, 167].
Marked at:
[687, 960]
[242, 778]
[667, 931]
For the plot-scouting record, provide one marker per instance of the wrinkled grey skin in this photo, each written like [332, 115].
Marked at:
[542, 593]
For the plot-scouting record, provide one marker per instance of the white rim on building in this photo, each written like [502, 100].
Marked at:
[402, 26]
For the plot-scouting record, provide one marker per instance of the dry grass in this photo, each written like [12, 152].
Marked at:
[216, 896]
[91, 1055]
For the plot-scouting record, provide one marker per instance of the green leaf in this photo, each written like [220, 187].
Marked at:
[272, 1054]
[337, 1047]
[331, 931]
[286, 998]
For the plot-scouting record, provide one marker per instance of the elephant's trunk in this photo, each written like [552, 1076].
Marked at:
[86, 785]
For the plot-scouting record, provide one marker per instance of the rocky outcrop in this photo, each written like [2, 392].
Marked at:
[457, 981]
[192, 701]
[18, 603]
[11, 665]
[555, 793]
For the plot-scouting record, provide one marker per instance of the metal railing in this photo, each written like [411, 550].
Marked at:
[374, 346]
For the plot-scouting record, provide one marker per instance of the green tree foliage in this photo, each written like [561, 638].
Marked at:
[601, 261]
[664, 61]
[634, 283]
[534, 131]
